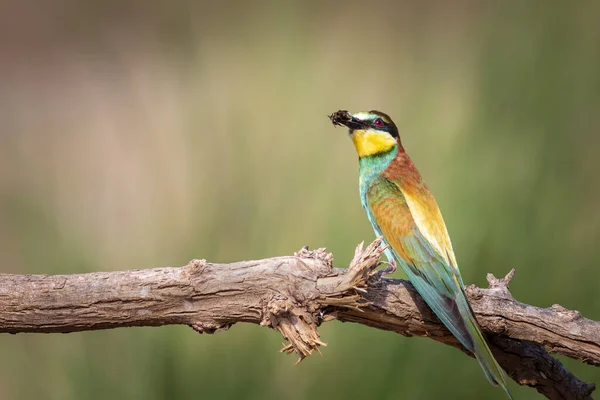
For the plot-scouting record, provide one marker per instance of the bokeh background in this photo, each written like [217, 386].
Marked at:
[136, 134]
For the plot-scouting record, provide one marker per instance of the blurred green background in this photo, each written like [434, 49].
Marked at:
[139, 134]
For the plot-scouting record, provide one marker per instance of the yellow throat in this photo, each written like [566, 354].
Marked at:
[369, 142]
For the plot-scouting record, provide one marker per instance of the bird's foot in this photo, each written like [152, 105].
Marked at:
[389, 270]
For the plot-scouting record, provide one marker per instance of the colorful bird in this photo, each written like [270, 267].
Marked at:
[402, 210]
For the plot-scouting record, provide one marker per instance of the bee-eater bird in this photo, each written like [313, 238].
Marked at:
[402, 210]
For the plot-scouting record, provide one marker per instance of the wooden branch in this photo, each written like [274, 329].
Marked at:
[295, 295]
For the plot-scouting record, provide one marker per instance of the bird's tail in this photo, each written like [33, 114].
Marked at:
[478, 345]
[444, 293]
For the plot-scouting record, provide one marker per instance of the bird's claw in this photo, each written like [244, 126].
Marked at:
[389, 270]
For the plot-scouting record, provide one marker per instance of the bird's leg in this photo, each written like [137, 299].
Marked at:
[389, 270]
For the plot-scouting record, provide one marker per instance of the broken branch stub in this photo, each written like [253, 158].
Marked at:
[297, 319]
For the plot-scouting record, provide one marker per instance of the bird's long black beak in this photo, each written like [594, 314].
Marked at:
[344, 118]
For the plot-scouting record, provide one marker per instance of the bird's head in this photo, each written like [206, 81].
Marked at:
[372, 132]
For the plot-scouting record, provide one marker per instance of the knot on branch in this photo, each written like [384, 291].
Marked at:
[498, 287]
[567, 315]
[210, 328]
[195, 267]
[500, 283]
[320, 254]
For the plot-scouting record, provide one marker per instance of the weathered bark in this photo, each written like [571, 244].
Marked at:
[294, 295]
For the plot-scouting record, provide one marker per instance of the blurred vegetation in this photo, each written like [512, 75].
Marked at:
[140, 134]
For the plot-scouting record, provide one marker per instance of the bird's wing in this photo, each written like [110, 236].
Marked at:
[429, 221]
[413, 221]
[422, 248]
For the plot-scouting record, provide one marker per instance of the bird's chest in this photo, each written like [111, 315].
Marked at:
[370, 170]
[367, 184]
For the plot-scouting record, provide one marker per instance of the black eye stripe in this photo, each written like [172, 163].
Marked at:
[388, 125]
[385, 126]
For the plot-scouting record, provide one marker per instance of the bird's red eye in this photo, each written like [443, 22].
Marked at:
[379, 122]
